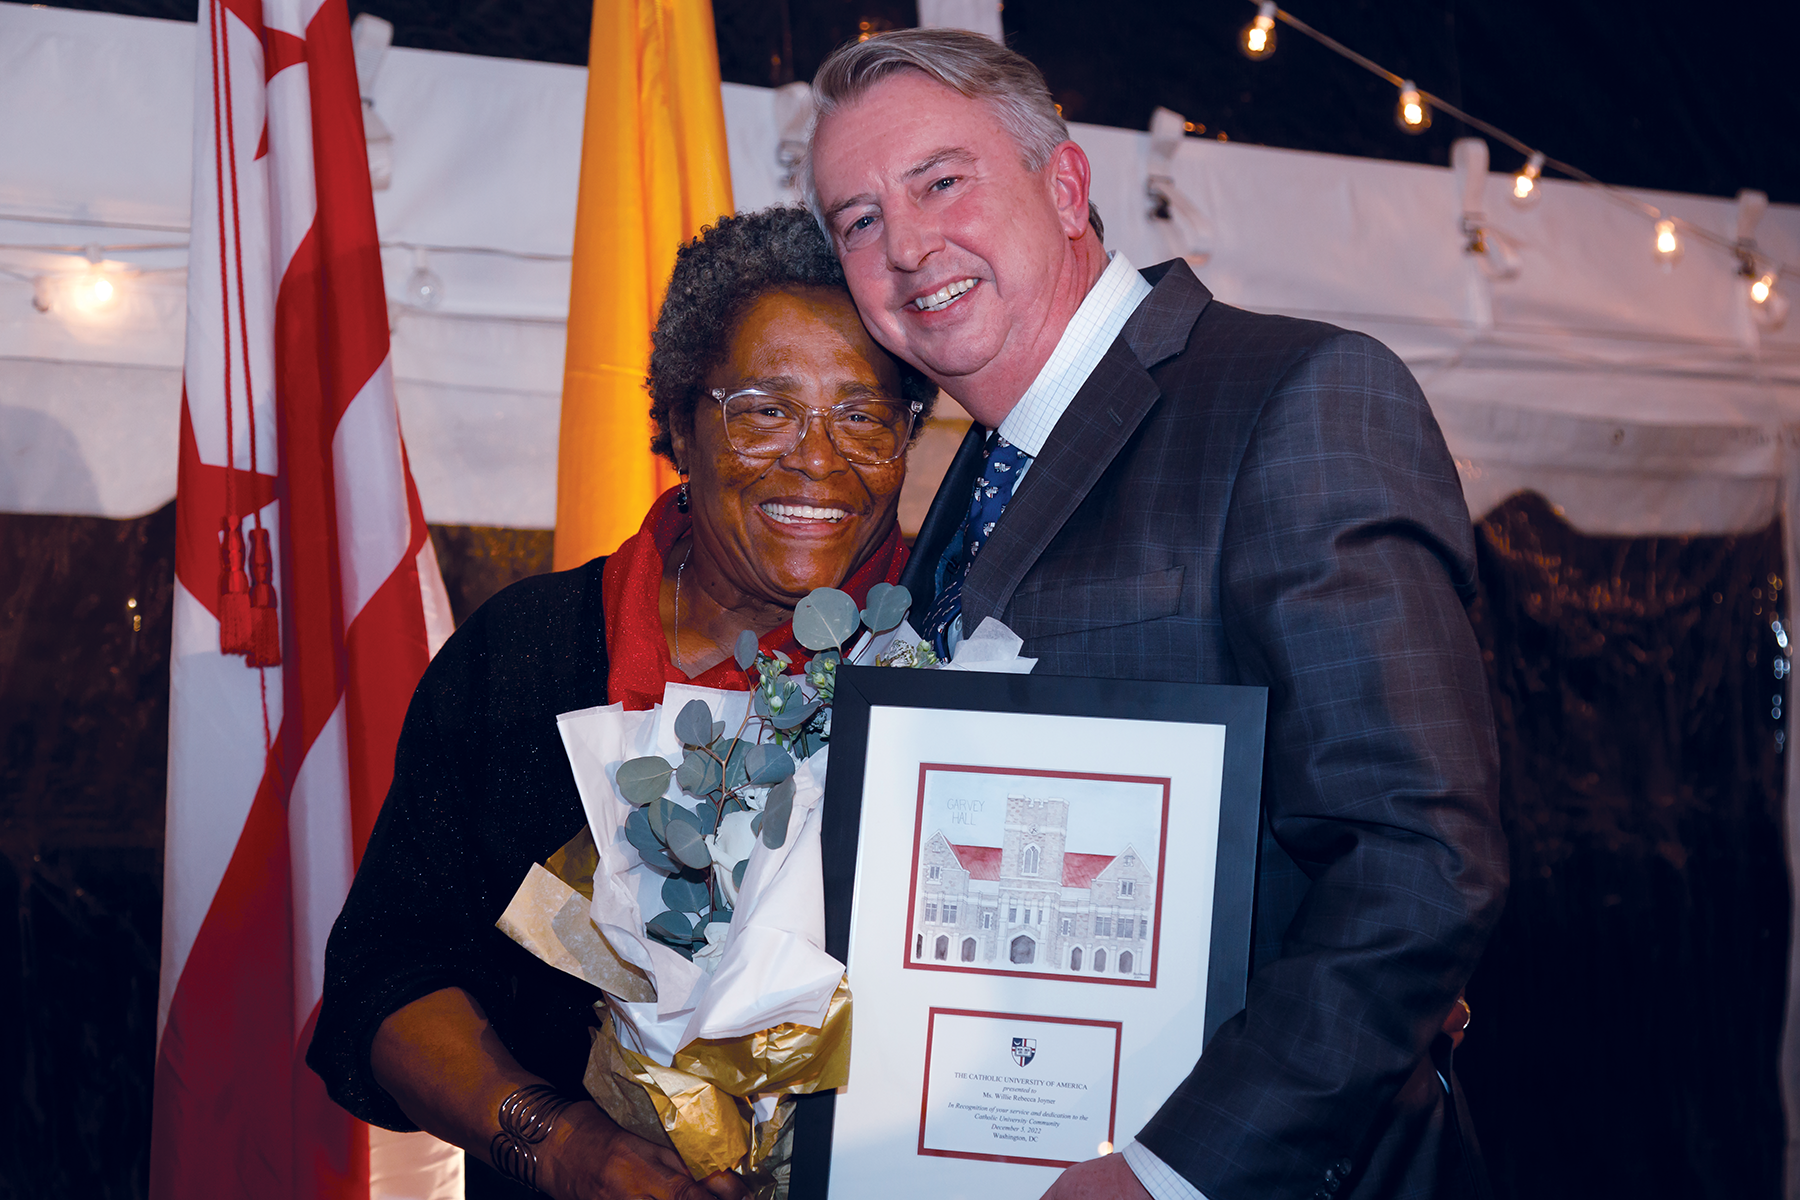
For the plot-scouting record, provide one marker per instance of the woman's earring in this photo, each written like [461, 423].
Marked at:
[681, 497]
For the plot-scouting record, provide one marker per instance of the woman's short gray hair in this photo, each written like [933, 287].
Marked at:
[975, 66]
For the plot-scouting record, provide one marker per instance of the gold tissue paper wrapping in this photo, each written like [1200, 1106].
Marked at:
[701, 1104]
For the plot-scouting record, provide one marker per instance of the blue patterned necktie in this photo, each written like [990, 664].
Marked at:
[993, 488]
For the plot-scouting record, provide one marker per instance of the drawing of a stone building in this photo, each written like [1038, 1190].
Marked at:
[1030, 904]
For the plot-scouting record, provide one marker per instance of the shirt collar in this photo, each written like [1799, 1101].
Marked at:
[1094, 327]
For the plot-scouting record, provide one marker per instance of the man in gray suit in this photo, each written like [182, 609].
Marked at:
[1160, 486]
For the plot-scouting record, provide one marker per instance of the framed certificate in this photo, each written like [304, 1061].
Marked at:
[1042, 888]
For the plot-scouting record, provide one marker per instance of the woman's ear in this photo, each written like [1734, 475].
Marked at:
[678, 447]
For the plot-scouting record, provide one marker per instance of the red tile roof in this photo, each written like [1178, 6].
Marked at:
[981, 862]
[1079, 869]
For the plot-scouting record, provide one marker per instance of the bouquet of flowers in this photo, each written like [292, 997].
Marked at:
[694, 897]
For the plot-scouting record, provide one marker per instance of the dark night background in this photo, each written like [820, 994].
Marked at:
[1629, 1009]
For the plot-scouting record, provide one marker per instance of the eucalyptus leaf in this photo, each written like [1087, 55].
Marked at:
[687, 846]
[776, 813]
[686, 895]
[887, 607]
[708, 813]
[693, 724]
[825, 619]
[800, 714]
[658, 811]
[737, 874]
[745, 650]
[718, 731]
[691, 771]
[642, 780]
[670, 926]
[768, 763]
[759, 704]
[681, 816]
[756, 824]
[718, 916]
[736, 776]
[646, 843]
[699, 774]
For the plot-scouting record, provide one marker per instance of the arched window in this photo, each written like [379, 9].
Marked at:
[1029, 866]
[1024, 950]
[1100, 960]
[941, 950]
[919, 946]
[1075, 959]
[968, 950]
[1125, 963]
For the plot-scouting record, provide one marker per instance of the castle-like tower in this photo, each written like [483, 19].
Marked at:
[1031, 870]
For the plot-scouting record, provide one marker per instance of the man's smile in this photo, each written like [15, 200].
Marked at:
[941, 299]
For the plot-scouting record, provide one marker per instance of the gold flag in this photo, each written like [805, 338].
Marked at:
[653, 171]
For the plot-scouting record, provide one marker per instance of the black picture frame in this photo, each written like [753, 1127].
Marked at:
[1241, 710]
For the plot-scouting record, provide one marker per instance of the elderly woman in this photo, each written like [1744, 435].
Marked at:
[790, 427]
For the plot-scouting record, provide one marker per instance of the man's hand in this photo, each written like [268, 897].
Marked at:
[1108, 1177]
[596, 1160]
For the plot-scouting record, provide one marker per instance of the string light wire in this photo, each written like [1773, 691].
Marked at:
[1617, 194]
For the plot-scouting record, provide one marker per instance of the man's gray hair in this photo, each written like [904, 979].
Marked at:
[968, 63]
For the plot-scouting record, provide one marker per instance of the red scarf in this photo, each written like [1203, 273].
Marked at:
[637, 649]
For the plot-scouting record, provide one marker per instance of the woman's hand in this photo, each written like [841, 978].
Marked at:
[591, 1158]
[448, 1070]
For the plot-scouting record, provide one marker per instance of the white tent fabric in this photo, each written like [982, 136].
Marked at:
[1637, 399]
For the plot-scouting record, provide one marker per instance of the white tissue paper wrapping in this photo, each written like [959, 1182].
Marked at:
[774, 967]
[992, 648]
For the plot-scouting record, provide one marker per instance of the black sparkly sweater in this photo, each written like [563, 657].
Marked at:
[482, 789]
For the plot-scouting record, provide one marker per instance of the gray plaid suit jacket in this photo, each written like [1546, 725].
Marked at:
[1247, 499]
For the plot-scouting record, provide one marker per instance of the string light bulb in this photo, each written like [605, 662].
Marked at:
[423, 287]
[1412, 114]
[1525, 188]
[1768, 307]
[92, 294]
[1258, 37]
[1667, 245]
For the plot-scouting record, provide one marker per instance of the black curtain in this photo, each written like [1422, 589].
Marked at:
[84, 719]
[1627, 1015]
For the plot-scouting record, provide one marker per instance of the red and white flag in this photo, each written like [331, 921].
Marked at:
[307, 603]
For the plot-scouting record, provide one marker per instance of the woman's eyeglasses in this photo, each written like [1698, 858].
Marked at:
[761, 424]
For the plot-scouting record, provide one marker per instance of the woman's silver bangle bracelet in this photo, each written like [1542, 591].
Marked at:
[526, 1118]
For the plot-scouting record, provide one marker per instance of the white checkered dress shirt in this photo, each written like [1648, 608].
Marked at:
[1158, 1178]
[1094, 327]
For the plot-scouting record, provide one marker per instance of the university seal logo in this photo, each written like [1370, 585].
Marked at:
[1024, 1050]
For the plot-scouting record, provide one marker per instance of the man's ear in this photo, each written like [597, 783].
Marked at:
[1070, 176]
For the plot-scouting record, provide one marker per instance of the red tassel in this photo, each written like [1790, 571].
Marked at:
[234, 590]
[265, 620]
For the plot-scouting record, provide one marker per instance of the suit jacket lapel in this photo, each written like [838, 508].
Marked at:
[949, 508]
[1099, 421]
